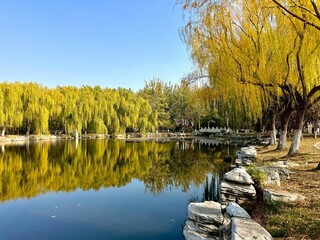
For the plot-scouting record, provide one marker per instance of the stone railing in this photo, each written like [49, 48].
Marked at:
[214, 130]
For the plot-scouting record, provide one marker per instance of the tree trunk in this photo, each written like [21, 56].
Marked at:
[77, 134]
[297, 133]
[285, 117]
[295, 144]
[273, 132]
[3, 131]
[318, 167]
[282, 139]
[28, 131]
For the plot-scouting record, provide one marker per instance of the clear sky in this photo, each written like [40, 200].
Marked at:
[111, 43]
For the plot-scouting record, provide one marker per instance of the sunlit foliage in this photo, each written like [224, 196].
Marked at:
[29, 170]
[31, 108]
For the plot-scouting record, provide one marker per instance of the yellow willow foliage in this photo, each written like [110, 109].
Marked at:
[249, 51]
[32, 108]
[31, 170]
[305, 11]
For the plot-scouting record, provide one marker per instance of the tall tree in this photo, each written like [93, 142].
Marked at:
[255, 54]
[12, 111]
[158, 94]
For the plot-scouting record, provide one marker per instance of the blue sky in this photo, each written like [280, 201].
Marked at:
[111, 43]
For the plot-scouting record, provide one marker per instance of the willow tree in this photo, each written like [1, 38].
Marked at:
[70, 112]
[229, 42]
[36, 104]
[306, 75]
[255, 54]
[12, 113]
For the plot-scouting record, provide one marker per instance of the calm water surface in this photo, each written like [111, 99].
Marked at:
[99, 189]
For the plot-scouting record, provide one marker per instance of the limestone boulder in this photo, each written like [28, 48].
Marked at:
[243, 161]
[247, 152]
[237, 189]
[271, 195]
[247, 229]
[235, 192]
[194, 235]
[225, 228]
[284, 164]
[202, 228]
[272, 178]
[284, 173]
[234, 210]
[238, 175]
[206, 212]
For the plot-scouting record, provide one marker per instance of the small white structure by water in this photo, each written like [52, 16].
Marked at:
[215, 130]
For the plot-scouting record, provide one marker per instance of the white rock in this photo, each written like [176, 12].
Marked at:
[207, 229]
[234, 210]
[193, 235]
[247, 152]
[247, 229]
[238, 189]
[206, 212]
[272, 195]
[283, 164]
[272, 178]
[236, 192]
[243, 162]
[238, 175]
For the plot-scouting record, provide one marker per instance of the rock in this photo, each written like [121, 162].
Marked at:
[225, 228]
[238, 175]
[235, 192]
[247, 229]
[206, 229]
[247, 152]
[272, 195]
[243, 162]
[283, 172]
[237, 189]
[206, 212]
[234, 210]
[283, 164]
[272, 178]
[193, 235]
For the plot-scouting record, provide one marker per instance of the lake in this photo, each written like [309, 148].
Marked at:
[105, 189]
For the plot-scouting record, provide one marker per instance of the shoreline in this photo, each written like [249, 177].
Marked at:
[213, 139]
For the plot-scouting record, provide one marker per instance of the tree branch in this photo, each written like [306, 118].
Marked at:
[296, 16]
[314, 102]
[313, 92]
[315, 7]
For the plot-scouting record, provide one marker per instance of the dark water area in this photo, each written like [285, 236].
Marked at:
[105, 189]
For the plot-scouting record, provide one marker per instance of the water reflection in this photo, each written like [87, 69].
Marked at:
[35, 168]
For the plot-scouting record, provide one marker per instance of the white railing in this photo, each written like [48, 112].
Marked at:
[215, 130]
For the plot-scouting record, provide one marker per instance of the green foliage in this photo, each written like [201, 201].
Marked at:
[257, 175]
[30, 107]
[27, 171]
[158, 94]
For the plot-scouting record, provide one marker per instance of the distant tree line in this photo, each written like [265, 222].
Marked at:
[30, 108]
